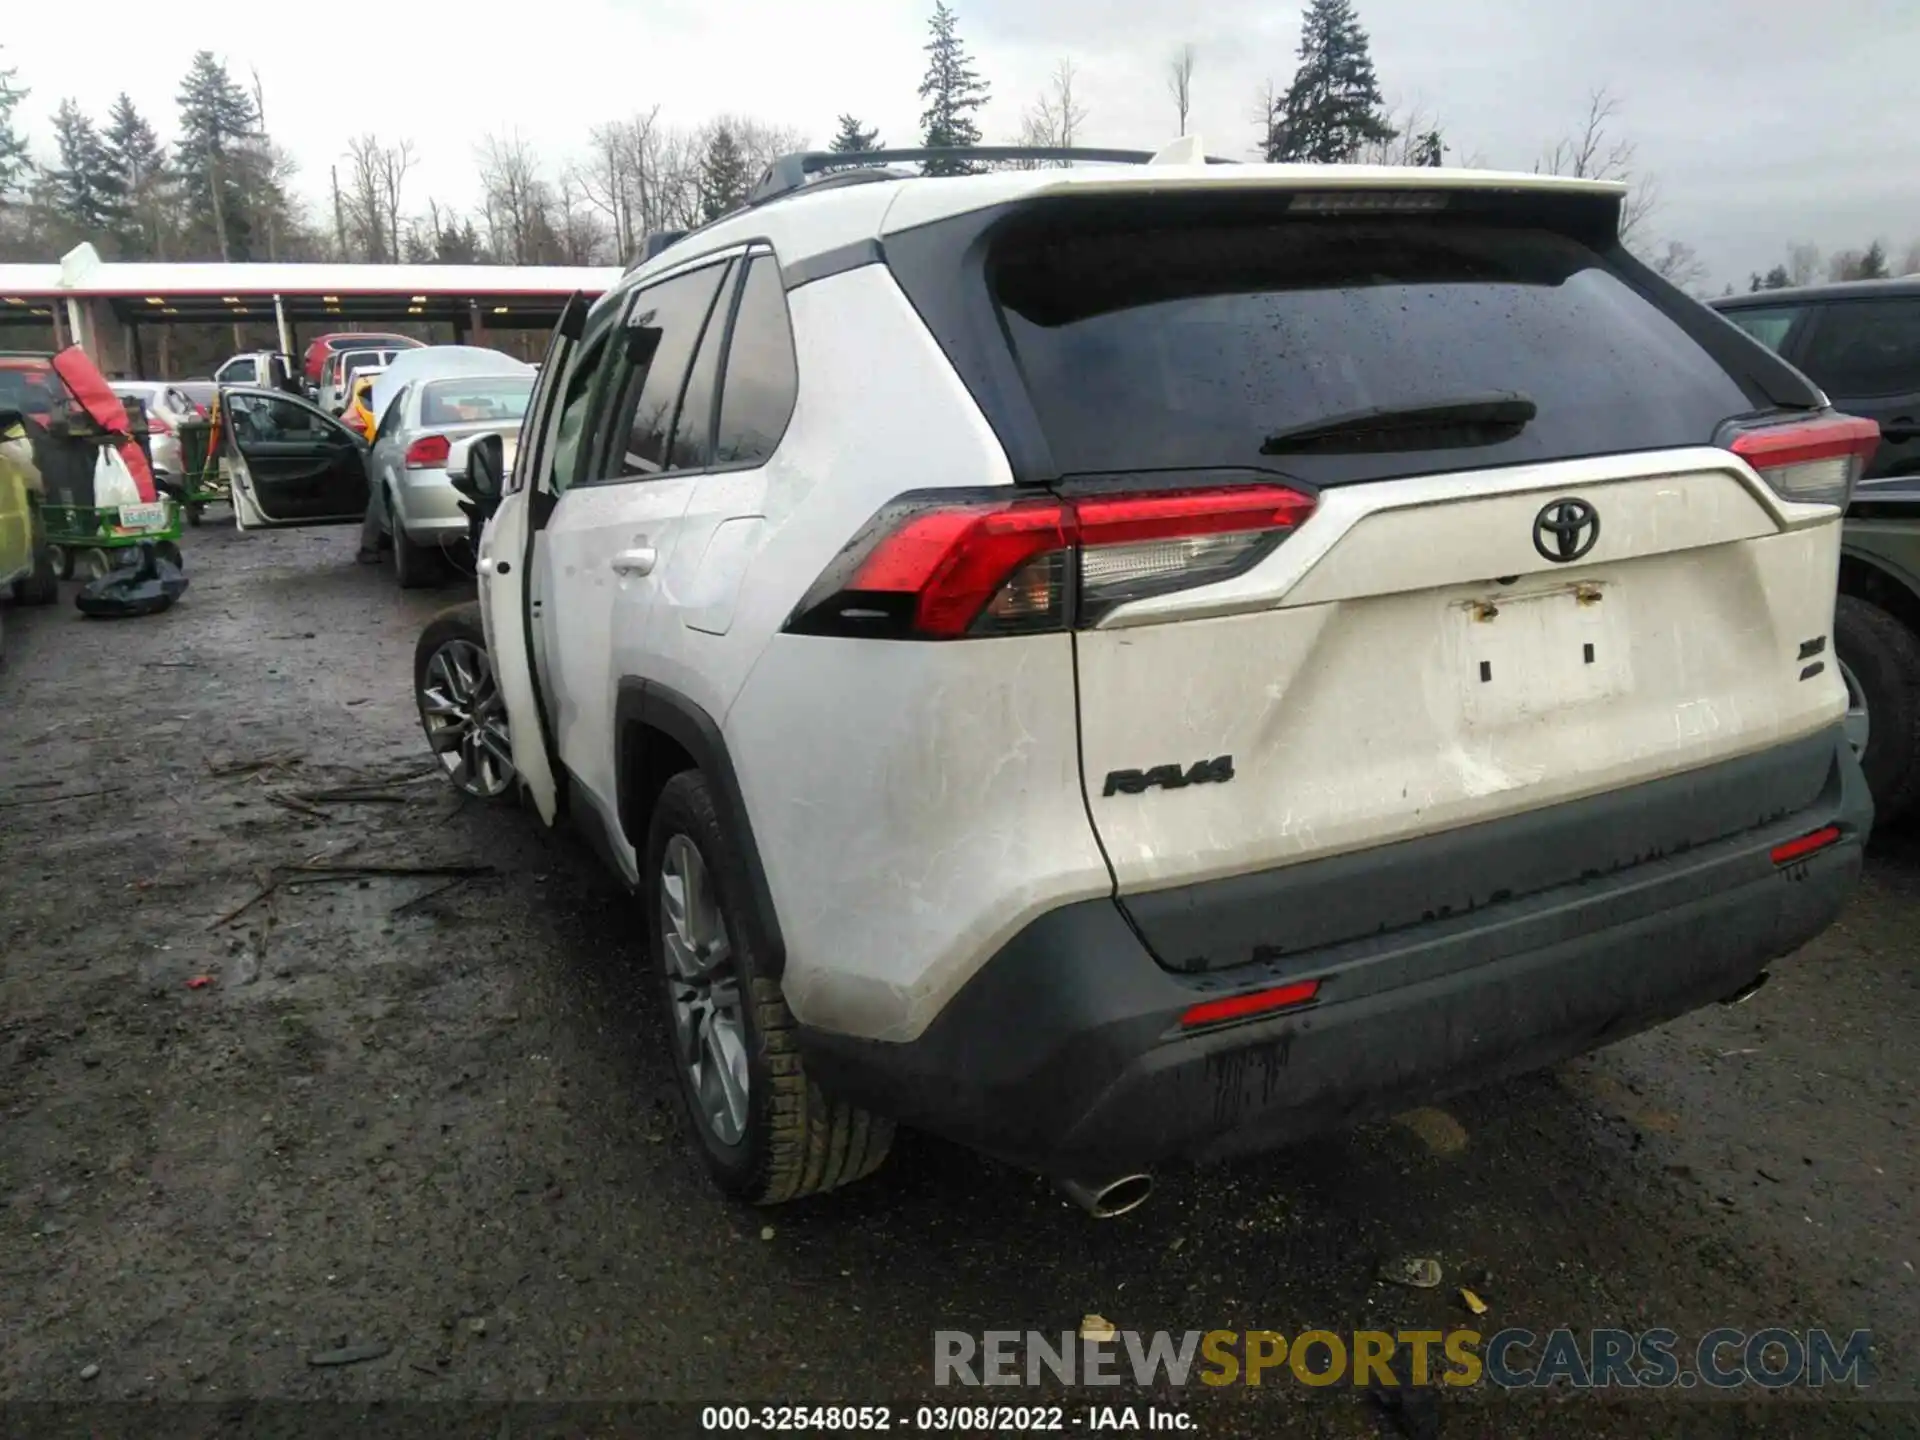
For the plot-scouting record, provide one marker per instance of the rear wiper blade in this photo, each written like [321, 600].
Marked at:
[1483, 419]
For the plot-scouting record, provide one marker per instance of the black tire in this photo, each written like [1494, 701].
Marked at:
[62, 561]
[798, 1140]
[1884, 658]
[459, 623]
[92, 563]
[42, 587]
[169, 552]
[194, 515]
[415, 566]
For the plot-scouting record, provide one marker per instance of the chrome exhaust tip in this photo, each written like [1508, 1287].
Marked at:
[1109, 1199]
[1747, 991]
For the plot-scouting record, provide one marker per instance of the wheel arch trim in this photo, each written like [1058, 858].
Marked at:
[643, 707]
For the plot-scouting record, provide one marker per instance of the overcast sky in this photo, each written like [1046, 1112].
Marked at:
[1764, 122]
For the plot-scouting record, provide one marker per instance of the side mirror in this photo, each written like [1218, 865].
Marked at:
[486, 465]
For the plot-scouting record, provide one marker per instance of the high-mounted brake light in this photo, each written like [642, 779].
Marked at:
[1368, 202]
[1815, 461]
[428, 452]
[1257, 1002]
[941, 565]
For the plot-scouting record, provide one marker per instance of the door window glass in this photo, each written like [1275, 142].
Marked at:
[1866, 347]
[1768, 326]
[241, 372]
[757, 400]
[268, 420]
[648, 394]
[573, 415]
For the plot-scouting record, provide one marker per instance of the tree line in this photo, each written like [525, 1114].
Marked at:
[221, 188]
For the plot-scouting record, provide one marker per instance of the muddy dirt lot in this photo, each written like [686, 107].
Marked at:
[436, 1118]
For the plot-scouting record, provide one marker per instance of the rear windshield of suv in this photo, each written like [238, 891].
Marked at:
[1191, 346]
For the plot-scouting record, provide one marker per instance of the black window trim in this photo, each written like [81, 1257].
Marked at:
[743, 254]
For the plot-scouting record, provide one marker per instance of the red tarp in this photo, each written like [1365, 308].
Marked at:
[96, 397]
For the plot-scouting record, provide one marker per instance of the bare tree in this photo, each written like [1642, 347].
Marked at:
[1264, 100]
[1180, 83]
[361, 200]
[372, 205]
[1910, 262]
[1595, 150]
[391, 165]
[515, 199]
[607, 177]
[1054, 120]
[1677, 262]
[1417, 137]
[1803, 263]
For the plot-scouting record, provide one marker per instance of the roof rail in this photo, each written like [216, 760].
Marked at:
[790, 172]
[653, 245]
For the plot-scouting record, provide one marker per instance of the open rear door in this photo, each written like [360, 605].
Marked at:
[505, 553]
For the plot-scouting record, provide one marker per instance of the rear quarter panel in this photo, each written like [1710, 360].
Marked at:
[914, 804]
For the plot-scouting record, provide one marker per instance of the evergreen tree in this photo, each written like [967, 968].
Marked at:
[15, 167]
[82, 190]
[1776, 279]
[1873, 264]
[137, 163]
[1333, 106]
[1428, 150]
[852, 140]
[218, 155]
[723, 175]
[953, 91]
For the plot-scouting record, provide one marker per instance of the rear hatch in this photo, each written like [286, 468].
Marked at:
[1506, 558]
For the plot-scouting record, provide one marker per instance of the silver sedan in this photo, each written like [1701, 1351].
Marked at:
[408, 464]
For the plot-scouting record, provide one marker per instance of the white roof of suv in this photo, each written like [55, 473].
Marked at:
[818, 218]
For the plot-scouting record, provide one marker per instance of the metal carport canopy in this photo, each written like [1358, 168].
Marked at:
[498, 296]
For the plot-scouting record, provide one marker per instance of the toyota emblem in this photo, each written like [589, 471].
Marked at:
[1565, 530]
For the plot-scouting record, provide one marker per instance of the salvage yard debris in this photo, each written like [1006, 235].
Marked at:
[315, 872]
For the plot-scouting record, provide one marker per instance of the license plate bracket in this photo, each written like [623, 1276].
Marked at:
[1529, 656]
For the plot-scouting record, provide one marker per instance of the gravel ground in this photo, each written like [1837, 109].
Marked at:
[438, 1118]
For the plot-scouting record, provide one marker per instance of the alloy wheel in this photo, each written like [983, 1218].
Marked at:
[703, 981]
[466, 720]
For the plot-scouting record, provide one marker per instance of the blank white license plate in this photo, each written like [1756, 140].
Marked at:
[1539, 654]
[149, 516]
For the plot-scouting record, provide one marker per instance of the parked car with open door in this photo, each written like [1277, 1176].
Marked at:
[289, 464]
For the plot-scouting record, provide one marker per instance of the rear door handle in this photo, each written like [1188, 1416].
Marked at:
[637, 561]
[1901, 430]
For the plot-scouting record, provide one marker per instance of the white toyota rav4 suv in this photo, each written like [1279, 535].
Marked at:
[1120, 663]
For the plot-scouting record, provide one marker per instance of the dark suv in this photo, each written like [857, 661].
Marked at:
[1860, 343]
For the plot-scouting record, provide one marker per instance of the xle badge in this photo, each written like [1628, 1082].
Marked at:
[1169, 777]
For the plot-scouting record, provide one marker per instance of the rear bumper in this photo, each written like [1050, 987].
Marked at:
[430, 507]
[1064, 1052]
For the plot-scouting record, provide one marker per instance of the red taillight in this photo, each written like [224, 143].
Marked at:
[1788, 851]
[157, 425]
[1258, 1002]
[944, 567]
[1817, 461]
[428, 451]
[354, 422]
